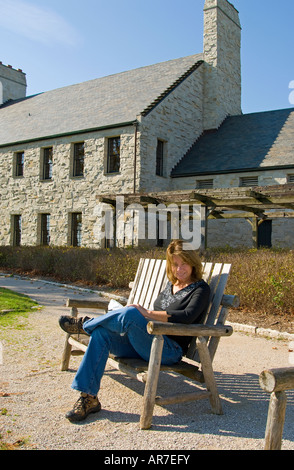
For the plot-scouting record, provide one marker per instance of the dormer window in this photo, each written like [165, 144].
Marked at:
[204, 184]
[248, 181]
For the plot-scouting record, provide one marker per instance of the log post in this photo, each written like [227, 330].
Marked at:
[275, 382]
[151, 383]
[209, 376]
[275, 421]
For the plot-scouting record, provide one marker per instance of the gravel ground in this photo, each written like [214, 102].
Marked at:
[35, 394]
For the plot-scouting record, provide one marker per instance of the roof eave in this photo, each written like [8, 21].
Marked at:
[233, 170]
[67, 134]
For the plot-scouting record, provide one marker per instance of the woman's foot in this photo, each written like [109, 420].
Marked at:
[85, 405]
[72, 325]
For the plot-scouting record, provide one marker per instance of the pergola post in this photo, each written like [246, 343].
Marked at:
[255, 232]
[203, 229]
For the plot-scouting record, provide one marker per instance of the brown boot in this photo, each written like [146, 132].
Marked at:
[73, 326]
[85, 405]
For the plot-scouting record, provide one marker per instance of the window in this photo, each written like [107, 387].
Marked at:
[19, 164]
[45, 229]
[159, 157]
[248, 181]
[78, 159]
[290, 178]
[16, 230]
[204, 184]
[113, 155]
[76, 229]
[47, 163]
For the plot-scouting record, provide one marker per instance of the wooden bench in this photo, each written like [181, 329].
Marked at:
[197, 365]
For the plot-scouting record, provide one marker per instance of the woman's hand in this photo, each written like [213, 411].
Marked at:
[151, 314]
[141, 309]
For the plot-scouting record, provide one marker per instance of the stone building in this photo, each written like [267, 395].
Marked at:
[169, 126]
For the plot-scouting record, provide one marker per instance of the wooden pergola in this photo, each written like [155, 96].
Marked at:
[255, 204]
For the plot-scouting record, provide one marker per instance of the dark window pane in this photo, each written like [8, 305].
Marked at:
[113, 158]
[76, 229]
[16, 230]
[159, 158]
[45, 229]
[48, 163]
[19, 164]
[79, 158]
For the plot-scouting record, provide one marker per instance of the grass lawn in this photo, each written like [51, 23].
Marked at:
[14, 307]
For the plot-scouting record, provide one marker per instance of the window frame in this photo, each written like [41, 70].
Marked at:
[47, 166]
[207, 183]
[76, 228]
[160, 157]
[18, 167]
[45, 229]
[113, 160]
[16, 229]
[244, 179]
[78, 159]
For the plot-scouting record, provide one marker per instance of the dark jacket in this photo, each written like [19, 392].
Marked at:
[189, 305]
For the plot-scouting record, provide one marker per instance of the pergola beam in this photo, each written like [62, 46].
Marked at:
[255, 204]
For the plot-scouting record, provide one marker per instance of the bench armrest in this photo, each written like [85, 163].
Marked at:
[179, 329]
[99, 304]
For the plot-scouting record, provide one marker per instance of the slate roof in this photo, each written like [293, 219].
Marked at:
[246, 142]
[103, 102]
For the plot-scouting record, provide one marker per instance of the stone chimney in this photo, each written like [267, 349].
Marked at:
[13, 83]
[222, 56]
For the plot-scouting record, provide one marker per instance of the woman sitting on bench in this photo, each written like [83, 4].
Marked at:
[123, 333]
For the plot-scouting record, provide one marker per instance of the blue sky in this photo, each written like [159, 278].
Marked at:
[62, 42]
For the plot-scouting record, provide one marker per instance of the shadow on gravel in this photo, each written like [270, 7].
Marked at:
[245, 407]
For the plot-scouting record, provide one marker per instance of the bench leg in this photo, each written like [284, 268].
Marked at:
[151, 383]
[275, 421]
[67, 347]
[209, 378]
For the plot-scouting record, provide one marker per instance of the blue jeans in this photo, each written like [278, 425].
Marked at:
[122, 333]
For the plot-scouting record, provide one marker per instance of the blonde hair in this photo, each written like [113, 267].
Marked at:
[189, 256]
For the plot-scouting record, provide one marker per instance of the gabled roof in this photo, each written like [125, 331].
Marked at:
[103, 102]
[255, 141]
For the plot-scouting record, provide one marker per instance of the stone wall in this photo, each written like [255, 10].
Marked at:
[177, 121]
[62, 195]
[238, 233]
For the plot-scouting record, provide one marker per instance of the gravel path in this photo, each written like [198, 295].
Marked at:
[35, 394]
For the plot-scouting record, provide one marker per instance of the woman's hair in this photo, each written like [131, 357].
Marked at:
[189, 256]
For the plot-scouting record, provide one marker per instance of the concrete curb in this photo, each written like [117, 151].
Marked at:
[263, 332]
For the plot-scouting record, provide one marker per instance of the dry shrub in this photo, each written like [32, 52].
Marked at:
[114, 268]
[263, 279]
